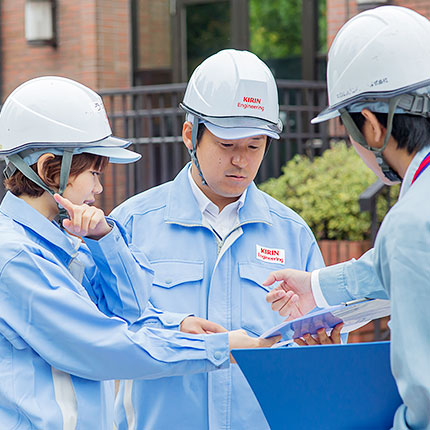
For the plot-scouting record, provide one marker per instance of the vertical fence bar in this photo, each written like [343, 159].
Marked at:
[164, 151]
[176, 131]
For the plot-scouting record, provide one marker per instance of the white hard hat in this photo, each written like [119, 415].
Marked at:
[53, 112]
[58, 115]
[379, 54]
[234, 89]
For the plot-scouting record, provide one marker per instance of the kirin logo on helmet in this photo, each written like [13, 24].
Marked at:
[250, 103]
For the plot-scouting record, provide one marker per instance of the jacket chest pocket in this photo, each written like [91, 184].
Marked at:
[256, 314]
[177, 285]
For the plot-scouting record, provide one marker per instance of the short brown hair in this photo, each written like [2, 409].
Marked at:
[19, 184]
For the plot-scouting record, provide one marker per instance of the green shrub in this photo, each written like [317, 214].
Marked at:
[325, 193]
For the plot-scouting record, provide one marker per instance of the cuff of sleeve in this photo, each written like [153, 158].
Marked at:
[332, 282]
[217, 349]
[316, 290]
[109, 241]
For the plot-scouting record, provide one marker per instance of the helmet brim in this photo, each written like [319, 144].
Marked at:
[113, 148]
[325, 115]
[371, 96]
[236, 121]
[234, 133]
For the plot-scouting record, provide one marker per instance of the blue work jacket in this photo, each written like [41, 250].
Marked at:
[217, 280]
[63, 329]
[398, 268]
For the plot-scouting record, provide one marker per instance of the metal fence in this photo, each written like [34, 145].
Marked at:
[150, 117]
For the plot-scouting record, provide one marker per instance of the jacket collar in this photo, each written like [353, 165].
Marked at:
[182, 207]
[24, 214]
[412, 168]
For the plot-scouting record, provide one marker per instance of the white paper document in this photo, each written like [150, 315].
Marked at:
[353, 314]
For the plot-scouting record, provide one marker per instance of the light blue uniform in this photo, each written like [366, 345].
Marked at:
[63, 329]
[221, 281]
[399, 267]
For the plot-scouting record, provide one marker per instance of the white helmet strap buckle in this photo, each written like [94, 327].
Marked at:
[416, 104]
[9, 170]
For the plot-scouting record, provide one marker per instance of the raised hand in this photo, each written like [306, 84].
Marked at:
[84, 220]
[293, 297]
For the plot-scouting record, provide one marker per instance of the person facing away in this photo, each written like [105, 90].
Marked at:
[66, 304]
[378, 80]
[212, 238]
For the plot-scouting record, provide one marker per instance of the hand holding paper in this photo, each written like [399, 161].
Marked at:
[293, 297]
[352, 314]
[322, 337]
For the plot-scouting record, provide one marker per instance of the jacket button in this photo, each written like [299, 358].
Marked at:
[217, 355]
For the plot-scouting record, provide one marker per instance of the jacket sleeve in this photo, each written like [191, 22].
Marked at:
[314, 259]
[46, 309]
[121, 285]
[402, 263]
[157, 318]
[351, 280]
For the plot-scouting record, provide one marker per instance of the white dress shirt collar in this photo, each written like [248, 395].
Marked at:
[222, 222]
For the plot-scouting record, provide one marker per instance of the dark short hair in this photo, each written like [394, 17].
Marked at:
[411, 132]
[19, 184]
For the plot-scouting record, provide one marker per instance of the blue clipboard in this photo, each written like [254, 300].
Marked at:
[353, 314]
[324, 387]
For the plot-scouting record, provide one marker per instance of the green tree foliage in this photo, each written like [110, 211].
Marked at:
[208, 31]
[275, 28]
[325, 193]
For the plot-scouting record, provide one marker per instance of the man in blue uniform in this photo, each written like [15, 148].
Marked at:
[379, 83]
[212, 238]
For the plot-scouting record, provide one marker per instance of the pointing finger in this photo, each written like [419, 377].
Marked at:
[67, 204]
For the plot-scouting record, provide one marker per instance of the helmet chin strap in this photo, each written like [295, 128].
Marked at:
[66, 162]
[193, 152]
[28, 172]
[357, 135]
